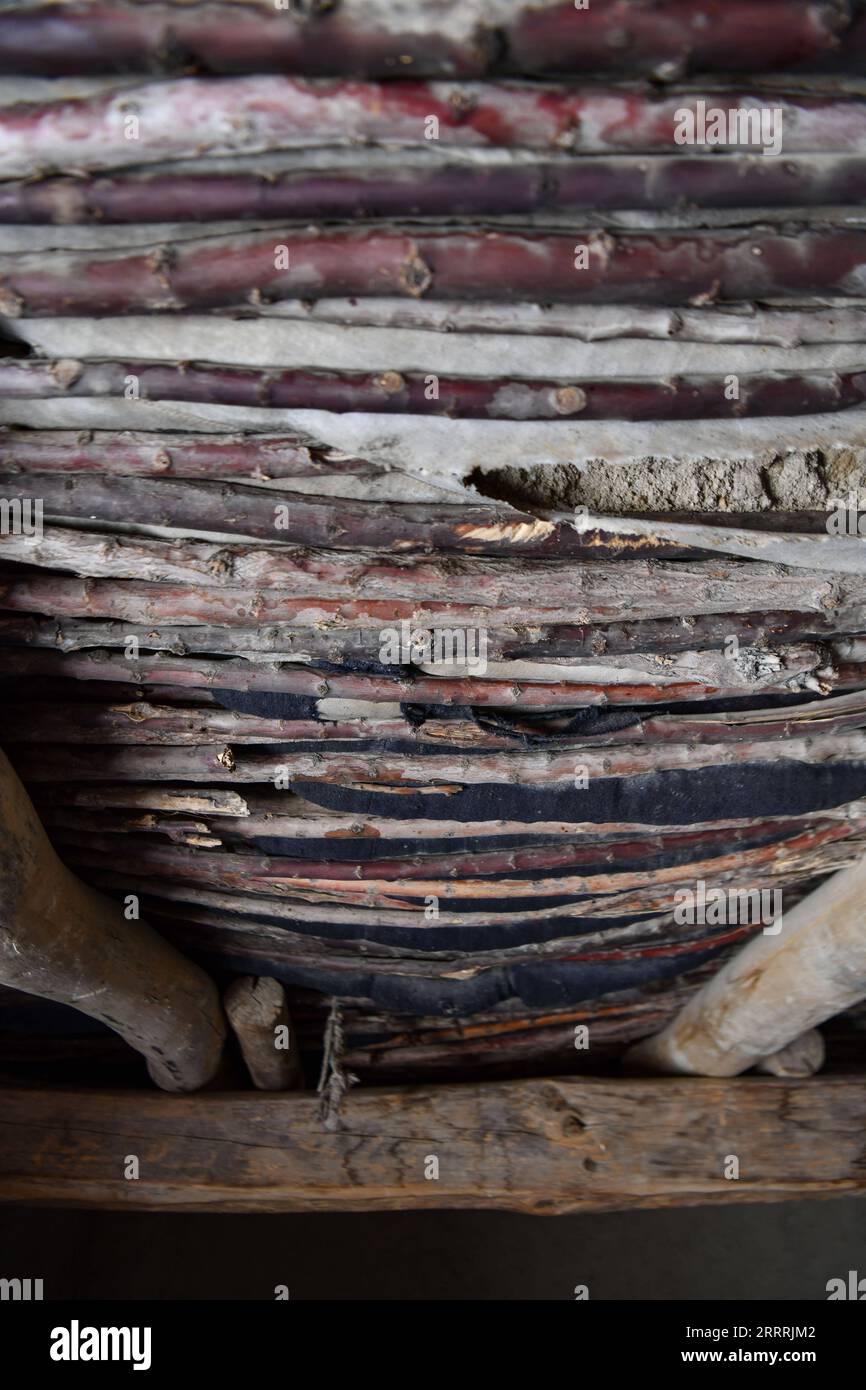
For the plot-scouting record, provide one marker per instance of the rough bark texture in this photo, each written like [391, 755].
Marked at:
[620, 268]
[400, 393]
[331, 583]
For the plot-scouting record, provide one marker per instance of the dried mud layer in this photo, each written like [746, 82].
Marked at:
[796, 481]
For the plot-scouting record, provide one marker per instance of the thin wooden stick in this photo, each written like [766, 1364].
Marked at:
[527, 768]
[461, 398]
[166, 455]
[277, 516]
[586, 267]
[466, 38]
[205, 195]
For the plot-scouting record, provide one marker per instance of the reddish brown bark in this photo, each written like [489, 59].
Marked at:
[671, 268]
[413, 393]
[137, 198]
[258, 456]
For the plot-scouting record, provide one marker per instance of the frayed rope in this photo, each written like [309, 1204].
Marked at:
[334, 1080]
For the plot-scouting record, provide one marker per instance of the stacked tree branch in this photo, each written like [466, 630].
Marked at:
[431, 571]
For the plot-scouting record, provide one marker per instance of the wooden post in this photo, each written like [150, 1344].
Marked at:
[62, 940]
[259, 1015]
[777, 988]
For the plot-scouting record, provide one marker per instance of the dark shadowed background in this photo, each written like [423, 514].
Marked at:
[787, 1251]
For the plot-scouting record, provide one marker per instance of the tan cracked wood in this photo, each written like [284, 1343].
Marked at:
[540, 1146]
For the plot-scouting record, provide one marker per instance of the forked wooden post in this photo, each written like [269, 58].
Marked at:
[61, 940]
[774, 990]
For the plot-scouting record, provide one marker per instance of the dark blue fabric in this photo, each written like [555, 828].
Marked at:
[537, 984]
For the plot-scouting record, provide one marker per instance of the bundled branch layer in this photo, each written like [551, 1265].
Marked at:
[437, 581]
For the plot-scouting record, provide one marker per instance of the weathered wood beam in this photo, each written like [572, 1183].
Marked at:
[808, 968]
[542, 1146]
[61, 940]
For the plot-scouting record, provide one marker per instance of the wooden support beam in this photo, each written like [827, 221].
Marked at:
[259, 1015]
[805, 969]
[61, 940]
[543, 1146]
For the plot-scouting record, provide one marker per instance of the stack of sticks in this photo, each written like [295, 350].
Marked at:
[332, 331]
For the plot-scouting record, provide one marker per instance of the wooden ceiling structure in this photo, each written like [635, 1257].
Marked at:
[432, 602]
